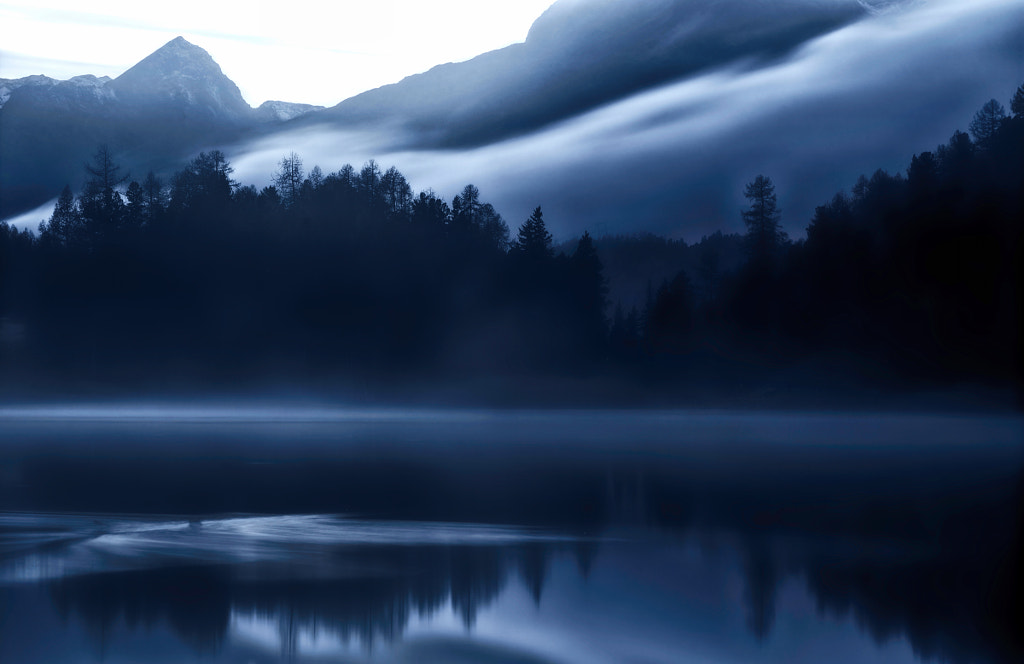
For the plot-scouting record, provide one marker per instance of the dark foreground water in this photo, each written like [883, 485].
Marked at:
[322, 535]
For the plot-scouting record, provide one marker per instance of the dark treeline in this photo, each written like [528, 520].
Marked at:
[909, 279]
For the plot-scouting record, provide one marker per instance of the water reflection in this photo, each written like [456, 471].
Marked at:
[732, 594]
[625, 553]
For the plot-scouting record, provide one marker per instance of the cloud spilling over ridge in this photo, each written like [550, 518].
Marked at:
[581, 54]
[674, 159]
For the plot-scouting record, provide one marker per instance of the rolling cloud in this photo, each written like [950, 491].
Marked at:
[673, 159]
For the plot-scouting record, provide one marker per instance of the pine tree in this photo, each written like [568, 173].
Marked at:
[466, 209]
[397, 193]
[534, 241]
[987, 121]
[493, 228]
[764, 232]
[136, 205]
[101, 205]
[316, 178]
[155, 196]
[1017, 103]
[65, 224]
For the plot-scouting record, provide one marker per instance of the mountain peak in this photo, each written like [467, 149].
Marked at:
[185, 72]
[177, 59]
[181, 47]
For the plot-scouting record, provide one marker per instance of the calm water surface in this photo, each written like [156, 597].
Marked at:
[155, 534]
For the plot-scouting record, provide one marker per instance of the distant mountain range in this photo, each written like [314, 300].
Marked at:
[168, 106]
[662, 108]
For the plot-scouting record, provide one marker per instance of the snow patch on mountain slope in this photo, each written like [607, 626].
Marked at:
[282, 111]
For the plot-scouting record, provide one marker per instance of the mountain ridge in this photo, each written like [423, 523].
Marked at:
[48, 127]
[578, 56]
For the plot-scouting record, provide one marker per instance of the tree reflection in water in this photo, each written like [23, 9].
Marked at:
[914, 541]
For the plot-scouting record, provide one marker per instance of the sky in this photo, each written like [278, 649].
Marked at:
[304, 51]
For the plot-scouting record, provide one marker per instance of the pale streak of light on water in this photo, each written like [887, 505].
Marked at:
[592, 427]
[95, 543]
[172, 413]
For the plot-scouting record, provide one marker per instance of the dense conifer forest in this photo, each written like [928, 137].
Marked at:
[908, 281]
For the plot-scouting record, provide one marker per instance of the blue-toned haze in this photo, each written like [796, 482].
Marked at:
[615, 115]
[812, 93]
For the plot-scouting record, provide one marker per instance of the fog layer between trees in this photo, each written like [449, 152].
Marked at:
[348, 277]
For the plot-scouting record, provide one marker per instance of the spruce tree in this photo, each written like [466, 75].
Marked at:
[764, 232]
[987, 121]
[1017, 103]
[534, 241]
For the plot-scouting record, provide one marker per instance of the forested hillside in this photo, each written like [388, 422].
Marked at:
[909, 279]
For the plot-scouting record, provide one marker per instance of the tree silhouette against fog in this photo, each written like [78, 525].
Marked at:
[987, 121]
[762, 218]
[533, 240]
[288, 179]
[349, 275]
[154, 197]
[1017, 103]
[101, 205]
[65, 226]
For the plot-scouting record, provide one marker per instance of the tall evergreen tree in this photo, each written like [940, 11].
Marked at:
[987, 121]
[65, 224]
[154, 195]
[430, 212]
[466, 210]
[135, 214]
[101, 205]
[493, 228]
[1017, 103]
[533, 240]
[315, 178]
[369, 184]
[104, 176]
[764, 232]
[397, 193]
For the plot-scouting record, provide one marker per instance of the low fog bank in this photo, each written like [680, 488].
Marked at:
[30, 220]
[302, 397]
[524, 426]
[674, 160]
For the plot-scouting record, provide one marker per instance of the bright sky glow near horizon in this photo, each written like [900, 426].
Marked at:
[305, 51]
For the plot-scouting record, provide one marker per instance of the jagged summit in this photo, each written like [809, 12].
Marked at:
[183, 71]
[172, 104]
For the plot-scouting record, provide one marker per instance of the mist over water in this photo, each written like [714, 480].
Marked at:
[270, 532]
